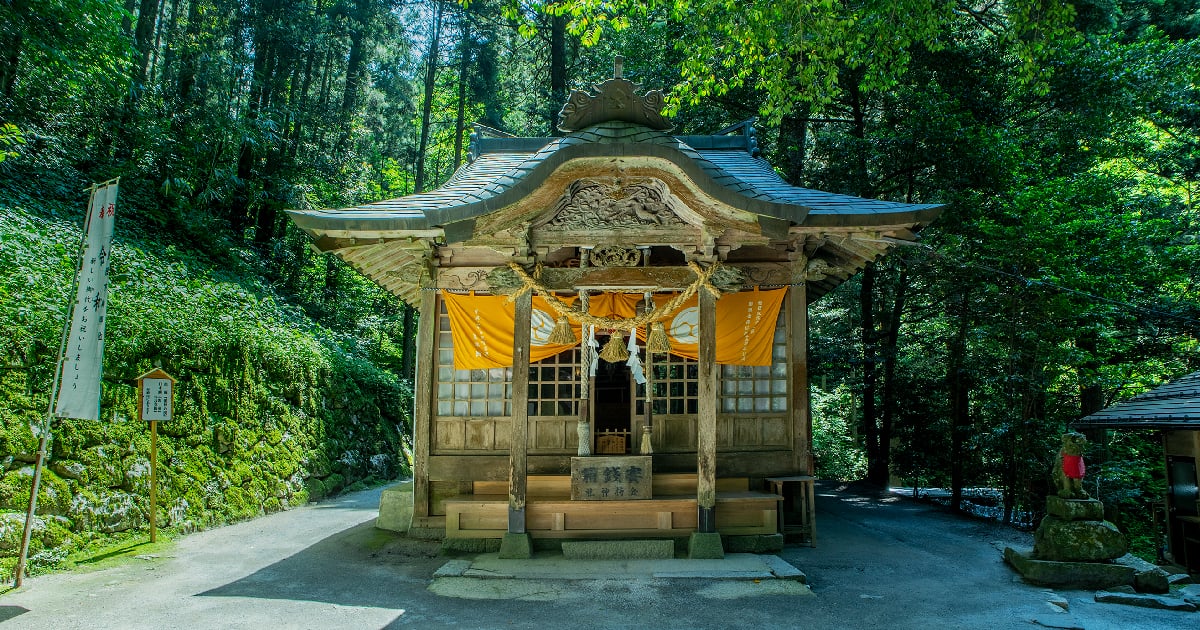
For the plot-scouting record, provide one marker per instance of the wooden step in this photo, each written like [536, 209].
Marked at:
[486, 516]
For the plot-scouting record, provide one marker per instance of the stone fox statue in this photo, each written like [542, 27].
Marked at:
[1068, 471]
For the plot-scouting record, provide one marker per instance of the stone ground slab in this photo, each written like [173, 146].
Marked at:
[553, 566]
[549, 575]
[1161, 602]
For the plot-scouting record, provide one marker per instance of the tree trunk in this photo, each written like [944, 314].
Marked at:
[408, 352]
[143, 41]
[558, 71]
[869, 357]
[431, 64]
[881, 473]
[793, 140]
[959, 393]
[12, 63]
[464, 64]
[259, 95]
[361, 17]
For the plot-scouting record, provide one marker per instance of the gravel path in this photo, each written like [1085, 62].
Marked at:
[882, 563]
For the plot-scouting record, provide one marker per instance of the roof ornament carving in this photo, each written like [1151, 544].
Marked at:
[608, 203]
[614, 99]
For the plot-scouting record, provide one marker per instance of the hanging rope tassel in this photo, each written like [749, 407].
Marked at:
[615, 351]
[562, 333]
[658, 342]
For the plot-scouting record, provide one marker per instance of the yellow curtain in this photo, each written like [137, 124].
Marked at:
[614, 305]
[745, 326]
[481, 327]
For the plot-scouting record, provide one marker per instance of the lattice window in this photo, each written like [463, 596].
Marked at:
[760, 388]
[554, 385]
[474, 393]
[675, 384]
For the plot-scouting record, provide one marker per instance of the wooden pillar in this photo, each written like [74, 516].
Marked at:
[519, 432]
[706, 421]
[797, 323]
[424, 401]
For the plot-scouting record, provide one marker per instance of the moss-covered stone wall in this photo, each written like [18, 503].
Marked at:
[270, 410]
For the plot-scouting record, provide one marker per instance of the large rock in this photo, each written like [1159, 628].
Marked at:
[110, 512]
[1078, 541]
[396, 507]
[1191, 593]
[1149, 578]
[1089, 575]
[1075, 509]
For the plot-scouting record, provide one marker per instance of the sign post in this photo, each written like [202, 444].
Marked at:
[81, 348]
[155, 394]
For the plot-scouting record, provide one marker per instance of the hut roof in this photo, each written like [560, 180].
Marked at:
[1175, 405]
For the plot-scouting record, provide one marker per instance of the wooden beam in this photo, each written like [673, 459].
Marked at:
[706, 421]
[519, 431]
[622, 278]
[798, 394]
[423, 401]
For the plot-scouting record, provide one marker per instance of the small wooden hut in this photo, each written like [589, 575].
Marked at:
[1173, 409]
[544, 271]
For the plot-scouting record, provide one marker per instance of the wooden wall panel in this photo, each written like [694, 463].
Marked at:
[484, 435]
[449, 434]
[1181, 443]
[776, 431]
[674, 434]
[480, 434]
[554, 434]
[746, 431]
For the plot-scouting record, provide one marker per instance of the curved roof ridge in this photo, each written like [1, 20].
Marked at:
[509, 167]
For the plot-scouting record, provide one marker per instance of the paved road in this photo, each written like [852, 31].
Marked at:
[882, 563]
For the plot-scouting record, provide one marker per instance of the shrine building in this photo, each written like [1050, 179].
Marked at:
[613, 331]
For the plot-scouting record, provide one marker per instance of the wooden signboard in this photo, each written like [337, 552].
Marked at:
[627, 478]
[155, 404]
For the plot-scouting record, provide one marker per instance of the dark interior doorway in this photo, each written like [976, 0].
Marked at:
[613, 409]
[1185, 536]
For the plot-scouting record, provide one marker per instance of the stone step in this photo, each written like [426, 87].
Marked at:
[618, 549]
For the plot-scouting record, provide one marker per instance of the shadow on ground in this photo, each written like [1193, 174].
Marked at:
[359, 566]
[11, 612]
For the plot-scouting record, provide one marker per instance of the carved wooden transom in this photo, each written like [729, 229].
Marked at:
[611, 203]
[615, 256]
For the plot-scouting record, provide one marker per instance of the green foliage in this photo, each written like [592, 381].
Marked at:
[836, 451]
[797, 53]
[268, 405]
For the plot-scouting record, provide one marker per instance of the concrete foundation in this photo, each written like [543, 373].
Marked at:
[516, 547]
[705, 547]
[618, 550]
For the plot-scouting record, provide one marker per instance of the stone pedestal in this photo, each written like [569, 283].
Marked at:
[1074, 547]
[1074, 530]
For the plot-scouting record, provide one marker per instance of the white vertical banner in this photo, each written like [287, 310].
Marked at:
[83, 361]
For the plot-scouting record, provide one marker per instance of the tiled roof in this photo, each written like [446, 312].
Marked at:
[1175, 405]
[506, 169]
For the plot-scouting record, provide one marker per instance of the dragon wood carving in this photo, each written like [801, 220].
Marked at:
[604, 204]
